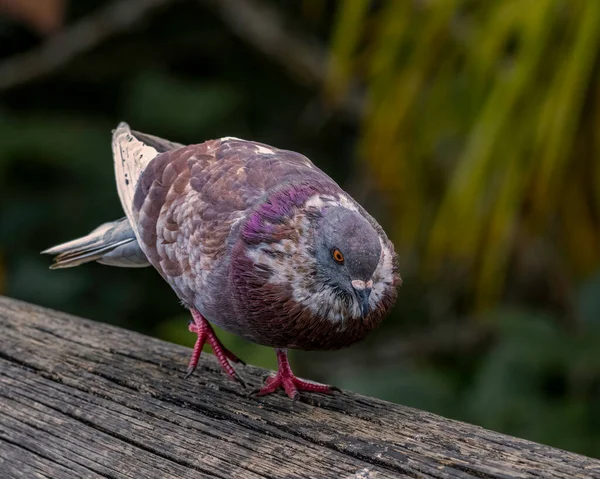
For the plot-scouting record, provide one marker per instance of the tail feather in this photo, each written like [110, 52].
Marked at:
[115, 243]
[111, 243]
[69, 259]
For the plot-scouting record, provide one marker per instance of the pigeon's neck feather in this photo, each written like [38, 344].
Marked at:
[266, 222]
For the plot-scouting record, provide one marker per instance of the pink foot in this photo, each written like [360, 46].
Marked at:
[291, 384]
[205, 333]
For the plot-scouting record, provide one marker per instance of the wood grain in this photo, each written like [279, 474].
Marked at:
[80, 399]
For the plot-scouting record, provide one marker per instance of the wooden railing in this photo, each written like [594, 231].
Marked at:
[80, 399]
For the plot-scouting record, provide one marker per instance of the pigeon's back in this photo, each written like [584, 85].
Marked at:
[185, 203]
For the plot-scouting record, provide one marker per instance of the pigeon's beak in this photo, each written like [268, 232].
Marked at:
[363, 291]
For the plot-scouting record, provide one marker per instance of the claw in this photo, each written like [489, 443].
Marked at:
[239, 379]
[253, 393]
[232, 357]
[205, 333]
[291, 384]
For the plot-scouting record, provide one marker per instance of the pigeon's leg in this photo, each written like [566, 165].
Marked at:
[291, 384]
[206, 334]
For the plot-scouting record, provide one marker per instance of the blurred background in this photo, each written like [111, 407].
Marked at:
[471, 131]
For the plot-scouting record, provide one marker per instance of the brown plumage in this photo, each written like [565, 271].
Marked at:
[245, 235]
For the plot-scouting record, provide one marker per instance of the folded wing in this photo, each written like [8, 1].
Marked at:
[132, 151]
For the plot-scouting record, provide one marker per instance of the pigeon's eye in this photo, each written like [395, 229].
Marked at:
[338, 256]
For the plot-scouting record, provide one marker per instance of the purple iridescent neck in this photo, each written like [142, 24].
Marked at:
[264, 224]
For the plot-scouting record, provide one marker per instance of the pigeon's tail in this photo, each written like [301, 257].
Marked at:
[112, 243]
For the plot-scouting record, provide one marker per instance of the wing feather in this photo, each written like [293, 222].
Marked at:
[132, 151]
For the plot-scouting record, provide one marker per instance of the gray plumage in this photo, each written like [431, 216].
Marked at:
[255, 239]
[112, 244]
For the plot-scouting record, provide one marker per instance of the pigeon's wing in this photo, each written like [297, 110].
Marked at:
[188, 201]
[132, 151]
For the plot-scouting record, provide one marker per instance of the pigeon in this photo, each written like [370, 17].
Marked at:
[252, 238]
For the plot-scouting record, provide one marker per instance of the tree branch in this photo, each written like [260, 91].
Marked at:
[77, 39]
[258, 23]
[264, 27]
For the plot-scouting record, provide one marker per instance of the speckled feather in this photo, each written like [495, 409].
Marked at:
[222, 221]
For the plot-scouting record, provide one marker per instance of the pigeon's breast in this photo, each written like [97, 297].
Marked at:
[280, 297]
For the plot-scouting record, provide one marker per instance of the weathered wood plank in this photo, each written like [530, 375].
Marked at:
[86, 400]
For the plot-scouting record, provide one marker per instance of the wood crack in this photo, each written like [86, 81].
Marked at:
[48, 458]
[131, 442]
[98, 401]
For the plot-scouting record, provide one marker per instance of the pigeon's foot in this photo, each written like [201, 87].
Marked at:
[206, 334]
[291, 384]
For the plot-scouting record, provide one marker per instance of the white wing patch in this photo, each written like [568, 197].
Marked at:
[263, 149]
[131, 156]
[226, 138]
[321, 201]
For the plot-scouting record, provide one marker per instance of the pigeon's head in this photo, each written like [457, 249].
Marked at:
[312, 271]
[347, 250]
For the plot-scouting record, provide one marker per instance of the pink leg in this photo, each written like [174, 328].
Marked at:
[205, 333]
[291, 384]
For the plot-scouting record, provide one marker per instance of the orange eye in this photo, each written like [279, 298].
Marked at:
[338, 256]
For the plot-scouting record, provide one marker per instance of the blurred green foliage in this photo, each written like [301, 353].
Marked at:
[477, 151]
[480, 128]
